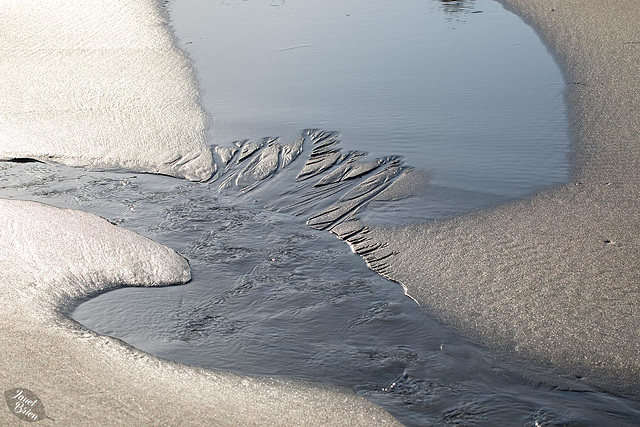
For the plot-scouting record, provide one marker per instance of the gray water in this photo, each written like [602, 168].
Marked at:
[463, 92]
[273, 296]
[472, 95]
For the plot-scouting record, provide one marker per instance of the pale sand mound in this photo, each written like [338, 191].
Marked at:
[101, 85]
[49, 256]
[555, 278]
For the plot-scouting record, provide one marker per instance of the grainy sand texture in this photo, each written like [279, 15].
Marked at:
[100, 85]
[51, 256]
[554, 278]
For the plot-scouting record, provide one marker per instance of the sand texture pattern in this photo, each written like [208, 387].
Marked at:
[99, 85]
[50, 257]
[554, 278]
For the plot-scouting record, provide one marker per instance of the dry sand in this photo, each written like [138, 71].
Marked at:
[554, 278]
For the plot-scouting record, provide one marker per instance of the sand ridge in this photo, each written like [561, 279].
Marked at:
[51, 257]
[554, 278]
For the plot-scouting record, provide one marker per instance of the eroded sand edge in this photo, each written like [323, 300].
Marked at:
[554, 278]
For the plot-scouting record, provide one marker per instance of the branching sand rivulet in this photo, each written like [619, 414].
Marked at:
[554, 278]
[101, 85]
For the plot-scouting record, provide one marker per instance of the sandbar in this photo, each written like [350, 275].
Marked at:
[51, 257]
[554, 278]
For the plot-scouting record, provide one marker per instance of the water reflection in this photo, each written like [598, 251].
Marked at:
[457, 6]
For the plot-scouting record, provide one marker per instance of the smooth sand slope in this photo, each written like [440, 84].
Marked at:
[100, 85]
[554, 278]
[50, 256]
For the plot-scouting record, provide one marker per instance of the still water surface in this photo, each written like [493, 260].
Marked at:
[463, 91]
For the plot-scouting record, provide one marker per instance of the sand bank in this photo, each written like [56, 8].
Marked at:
[51, 256]
[554, 278]
[102, 85]
[99, 85]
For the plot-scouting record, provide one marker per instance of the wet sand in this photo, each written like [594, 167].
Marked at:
[99, 86]
[63, 102]
[553, 278]
[51, 257]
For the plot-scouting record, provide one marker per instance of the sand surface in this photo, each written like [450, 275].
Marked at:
[50, 257]
[99, 85]
[554, 278]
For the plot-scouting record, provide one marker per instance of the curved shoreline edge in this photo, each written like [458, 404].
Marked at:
[51, 256]
[63, 103]
[554, 278]
[108, 89]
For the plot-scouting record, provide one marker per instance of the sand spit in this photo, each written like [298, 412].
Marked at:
[50, 256]
[554, 278]
[99, 85]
